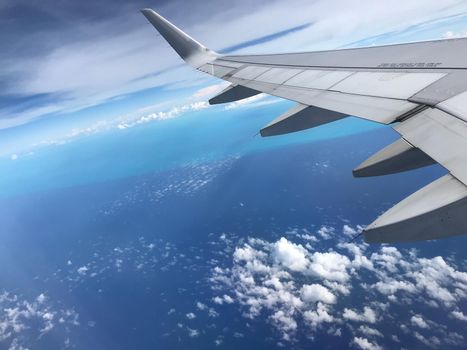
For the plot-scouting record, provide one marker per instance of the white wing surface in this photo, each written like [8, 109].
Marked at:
[418, 88]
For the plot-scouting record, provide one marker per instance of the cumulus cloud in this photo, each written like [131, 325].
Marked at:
[365, 344]
[23, 321]
[298, 285]
[290, 255]
[319, 316]
[330, 266]
[391, 286]
[82, 270]
[459, 315]
[419, 321]
[326, 232]
[368, 315]
[316, 292]
[368, 331]
[192, 333]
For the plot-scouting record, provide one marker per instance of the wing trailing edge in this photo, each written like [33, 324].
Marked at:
[435, 211]
[299, 118]
[233, 93]
[397, 157]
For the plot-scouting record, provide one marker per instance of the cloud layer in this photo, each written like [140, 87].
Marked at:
[303, 289]
[75, 59]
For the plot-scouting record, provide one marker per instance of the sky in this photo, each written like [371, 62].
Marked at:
[69, 68]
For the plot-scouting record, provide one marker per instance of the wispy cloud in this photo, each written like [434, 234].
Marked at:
[22, 321]
[87, 59]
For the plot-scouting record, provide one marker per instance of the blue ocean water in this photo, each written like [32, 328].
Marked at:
[197, 137]
[125, 228]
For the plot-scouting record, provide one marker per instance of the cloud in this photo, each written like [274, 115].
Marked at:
[23, 321]
[301, 287]
[246, 101]
[82, 270]
[368, 315]
[192, 333]
[371, 332]
[452, 35]
[102, 57]
[326, 232]
[290, 255]
[349, 231]
[459, 315]
[390, 286]
[330, 266]
[315, 292]
[319, 316]
[190, 316]
[364, 344]
[419, 321]
[210, 91]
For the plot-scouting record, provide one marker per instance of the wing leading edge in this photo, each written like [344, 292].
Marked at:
[418, 88]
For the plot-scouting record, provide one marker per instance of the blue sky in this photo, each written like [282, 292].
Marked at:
[70, 66]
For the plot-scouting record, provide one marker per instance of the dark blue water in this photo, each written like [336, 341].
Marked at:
[149, 243]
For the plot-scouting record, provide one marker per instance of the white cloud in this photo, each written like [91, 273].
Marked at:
[130, 52]
[368, 331]
[246, 101]
[316, 292]
[349, 231]
[459, 315]
[210, 91]
[364, 344]
[245, 253]
[23, 321]
[290, 255]
[432, 342]
[295, 285]
[190, 315]
[201, 306]
[391, 286]
[318, 316]
[454, 35]
[330, 266]
[82, 270]
[419, 321]
[192, 333]
[326, 232]
[285, 322]
[368, 315]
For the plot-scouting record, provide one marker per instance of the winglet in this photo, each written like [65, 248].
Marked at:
[188, 48]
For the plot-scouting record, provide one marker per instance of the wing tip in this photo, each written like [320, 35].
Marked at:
[187, 48]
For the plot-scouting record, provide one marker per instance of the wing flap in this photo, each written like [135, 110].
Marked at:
[436, 211]
[441, 136]
[398, 156]
[233, 93]
[299, 118]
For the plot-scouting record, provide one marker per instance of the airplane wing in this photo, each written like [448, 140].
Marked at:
[418, 88]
